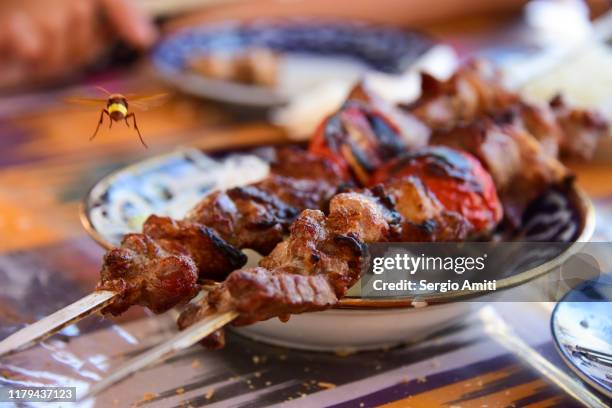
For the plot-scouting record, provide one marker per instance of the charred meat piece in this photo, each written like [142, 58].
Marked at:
[324, 255]
[563, 131]
[516, 161]
[213, 256]
[475, 90]
[143, 273]
[257, 216]
[539, 121]
[160, 268]
[517, 142]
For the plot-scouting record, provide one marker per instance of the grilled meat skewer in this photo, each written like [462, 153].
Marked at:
[324, 254]
[160, 267]
[516, 141]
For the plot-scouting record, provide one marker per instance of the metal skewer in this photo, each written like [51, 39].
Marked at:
[51, 324]
[48, 326]
[181, 341]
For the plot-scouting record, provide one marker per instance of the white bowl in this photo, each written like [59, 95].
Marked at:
[347, 330]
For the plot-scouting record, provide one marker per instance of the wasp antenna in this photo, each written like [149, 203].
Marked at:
[103, 90]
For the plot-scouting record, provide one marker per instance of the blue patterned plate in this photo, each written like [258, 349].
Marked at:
[311, 51]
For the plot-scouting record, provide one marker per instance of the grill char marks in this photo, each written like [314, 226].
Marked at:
[179, 282]
[213, 256]
[290, 280]
[433, 195]
[361, 136]
[160, 268]
[257, 216]
[425, 219]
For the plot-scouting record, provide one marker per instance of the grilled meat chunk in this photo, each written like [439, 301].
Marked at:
[170, 279]
[515, 160]
[257, 216]
[474, 91]
[434, 194]
[160, 268]
[581, 128]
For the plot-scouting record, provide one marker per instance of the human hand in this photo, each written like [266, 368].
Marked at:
[41, 39]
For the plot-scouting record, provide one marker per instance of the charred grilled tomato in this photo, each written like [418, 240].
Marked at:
[359, 139]
[456, 178]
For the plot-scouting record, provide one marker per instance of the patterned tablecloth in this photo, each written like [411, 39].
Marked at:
[47, 261]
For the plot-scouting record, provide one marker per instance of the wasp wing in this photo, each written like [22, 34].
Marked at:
[144, 102]
[99, 102]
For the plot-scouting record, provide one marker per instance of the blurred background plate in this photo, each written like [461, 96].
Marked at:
[267, 62]
[582, 331]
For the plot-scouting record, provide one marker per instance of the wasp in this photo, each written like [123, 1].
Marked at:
[117, 108]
